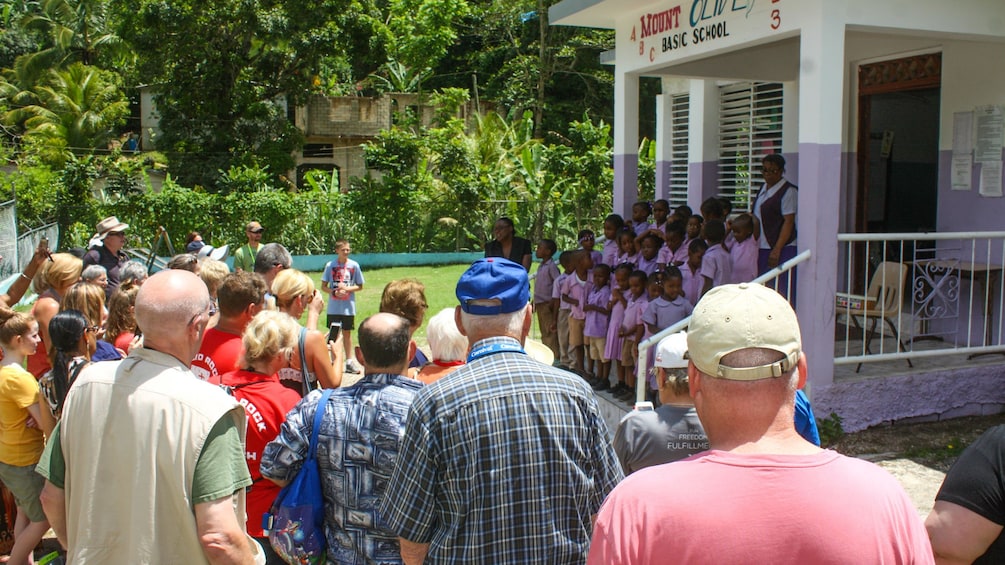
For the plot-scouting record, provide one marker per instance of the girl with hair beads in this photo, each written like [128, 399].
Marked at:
[21, 444]
[587, 239]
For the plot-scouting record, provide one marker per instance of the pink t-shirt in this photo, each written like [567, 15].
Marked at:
[576, 289]
[720, 507]
[743, 261]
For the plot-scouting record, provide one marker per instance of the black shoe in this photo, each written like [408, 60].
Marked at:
[627, 395]
[602, 385]
[618, 388]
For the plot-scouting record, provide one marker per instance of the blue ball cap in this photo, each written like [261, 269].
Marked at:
[494, 278]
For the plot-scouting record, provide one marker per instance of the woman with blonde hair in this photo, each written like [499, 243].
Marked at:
[90, 300]
[269, 340]
[21, 444]
[51, 283]
[313, 362]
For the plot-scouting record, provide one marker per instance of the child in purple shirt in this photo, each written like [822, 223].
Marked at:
[631, 332]
[674, 253]
[626, 248]
[691, 271]
[619, 300]
[612, 225]
[715, 268]
[648, 254]
[743, 253]
[670, 308]
[598, 316]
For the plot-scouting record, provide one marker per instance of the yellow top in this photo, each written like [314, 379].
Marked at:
[19, 445]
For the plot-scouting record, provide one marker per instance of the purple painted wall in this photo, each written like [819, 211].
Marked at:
[662, 179]
[966, 210]
[702, 182]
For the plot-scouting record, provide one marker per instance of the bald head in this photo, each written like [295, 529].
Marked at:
[167, 302]
[384, 342]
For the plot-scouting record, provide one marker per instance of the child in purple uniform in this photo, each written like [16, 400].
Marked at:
[626, 248]
[631, 331]
[648, 254]
[612, 225]
[640, 217]
[587, 239]
[564, 309]
[598, 316]
[691, 271]
[619, 300]
[670, 308]
[715, 268]
[674, 253]
[743, 253]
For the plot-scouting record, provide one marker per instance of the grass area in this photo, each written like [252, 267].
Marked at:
[440, 282]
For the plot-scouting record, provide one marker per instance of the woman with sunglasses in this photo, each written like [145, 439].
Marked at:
[314, 361]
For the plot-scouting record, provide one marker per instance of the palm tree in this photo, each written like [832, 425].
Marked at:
[75, 110]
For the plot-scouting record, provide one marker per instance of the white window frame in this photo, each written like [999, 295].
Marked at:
[750, 127]
[680, 107]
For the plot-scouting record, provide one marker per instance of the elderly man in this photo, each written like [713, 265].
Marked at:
[147, 463]
[244, 257]
[362, 429]
[508, 458]
[272, 258]
[106, 250]
[241, 296]
[762, 494]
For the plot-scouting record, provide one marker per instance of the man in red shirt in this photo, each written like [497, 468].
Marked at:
[241, 296]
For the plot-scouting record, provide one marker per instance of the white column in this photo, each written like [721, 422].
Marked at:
[664, 144]
[703, 141]
[626, 142]
[821, 111]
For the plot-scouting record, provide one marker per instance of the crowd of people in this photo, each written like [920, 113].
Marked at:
[159, 429]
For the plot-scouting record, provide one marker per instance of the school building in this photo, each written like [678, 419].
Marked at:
[890, 117]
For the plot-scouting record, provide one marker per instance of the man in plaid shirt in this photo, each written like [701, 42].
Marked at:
[505, 460]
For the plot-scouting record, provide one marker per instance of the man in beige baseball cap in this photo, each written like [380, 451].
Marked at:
[762, 493]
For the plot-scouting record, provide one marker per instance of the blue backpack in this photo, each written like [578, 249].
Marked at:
[295, 523]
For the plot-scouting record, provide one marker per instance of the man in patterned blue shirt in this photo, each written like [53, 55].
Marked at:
[508, 459]
[358, 443]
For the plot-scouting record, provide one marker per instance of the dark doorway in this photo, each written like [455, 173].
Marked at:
[898, 147]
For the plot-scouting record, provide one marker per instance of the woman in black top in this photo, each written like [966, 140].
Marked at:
[507, 244]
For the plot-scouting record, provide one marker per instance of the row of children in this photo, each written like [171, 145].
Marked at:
[647, 278]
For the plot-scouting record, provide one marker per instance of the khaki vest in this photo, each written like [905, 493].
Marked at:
[132, 431]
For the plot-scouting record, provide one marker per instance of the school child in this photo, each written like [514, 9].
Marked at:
[574, 294]
[544, 287]
[715, 268]
[564, 360]
[627, 253]
[654, 290]
[649, 253]
[711, 209]
[668, 309]
[693, 228]
[743, 254]
[674, 253]
[612, 225]
[587, 239]
[691, 271]
[619, 300]
[661, 211]
[631, 332]
[640, 217]
[681, 214]
[341, 280]
[598, 316]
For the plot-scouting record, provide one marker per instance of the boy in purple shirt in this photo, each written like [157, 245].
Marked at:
[715, 264]
[691, 271]
[574, 294]
[544, 287]
[563, 310]
[743, 253]
[598, 317]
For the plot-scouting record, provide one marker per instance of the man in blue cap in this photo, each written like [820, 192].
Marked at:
[508, 459]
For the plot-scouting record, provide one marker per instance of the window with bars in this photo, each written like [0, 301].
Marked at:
[680, 107]
[750, 127]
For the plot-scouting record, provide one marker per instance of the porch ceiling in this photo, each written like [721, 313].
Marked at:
[601, 14]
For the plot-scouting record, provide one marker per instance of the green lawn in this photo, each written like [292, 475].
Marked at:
[440, 283]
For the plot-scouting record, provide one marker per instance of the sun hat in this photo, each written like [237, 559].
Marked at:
[215, 253]
[671, 351]
[109, 225]
[539, 351]
[254, 227]
[195, 246]
[496, 279]
[743, 316]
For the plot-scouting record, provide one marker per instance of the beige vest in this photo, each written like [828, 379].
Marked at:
[132, 431]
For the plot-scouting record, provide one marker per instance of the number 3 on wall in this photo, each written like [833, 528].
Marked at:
[776, 19]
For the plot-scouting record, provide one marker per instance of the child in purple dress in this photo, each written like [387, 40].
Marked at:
[619, 300]
[598, 317]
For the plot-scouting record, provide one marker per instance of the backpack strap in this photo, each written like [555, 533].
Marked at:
[307, 384]
[319, 414]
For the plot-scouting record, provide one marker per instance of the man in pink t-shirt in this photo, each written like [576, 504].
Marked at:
[761, 494]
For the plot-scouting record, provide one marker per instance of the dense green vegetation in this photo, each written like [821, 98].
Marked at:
[223, 73]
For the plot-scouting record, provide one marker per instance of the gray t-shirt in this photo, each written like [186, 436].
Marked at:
[653, 437]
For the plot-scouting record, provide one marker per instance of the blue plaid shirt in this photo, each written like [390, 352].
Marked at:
[358, 445]
[505, 461]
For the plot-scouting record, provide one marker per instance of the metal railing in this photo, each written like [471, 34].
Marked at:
[780, 274]
[906, 295]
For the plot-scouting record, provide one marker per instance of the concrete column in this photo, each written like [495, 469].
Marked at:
[821, 112]
[664, 144]
[703, 142]
[626, 142]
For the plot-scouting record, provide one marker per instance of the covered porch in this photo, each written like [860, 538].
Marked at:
[863, 99]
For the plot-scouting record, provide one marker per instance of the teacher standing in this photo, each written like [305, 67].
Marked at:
[506, 244]
[775, 208]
